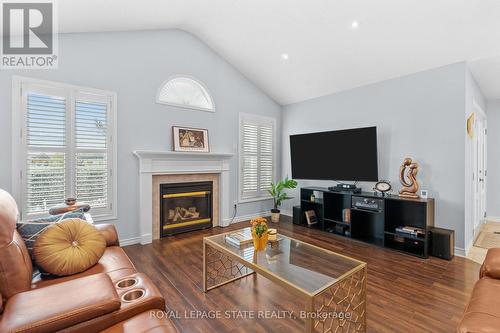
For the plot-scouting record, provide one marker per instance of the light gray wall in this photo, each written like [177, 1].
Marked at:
[419, 115]
[493, 184]
[134, 64]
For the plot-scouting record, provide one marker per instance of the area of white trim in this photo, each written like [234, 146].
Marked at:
[472, 166]
[130, 241]
[185, 106]
[169, 163]
[461, 252]
[493, 219]
[19, 153]
[477, 230]
[242, 201]
[260, 119]
[247, 217]
[469, 246]
[478, 108]
[159, 154]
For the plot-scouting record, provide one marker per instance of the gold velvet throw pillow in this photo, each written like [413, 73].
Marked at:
[68, 247]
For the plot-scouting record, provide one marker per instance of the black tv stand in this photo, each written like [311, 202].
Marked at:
[373, 218]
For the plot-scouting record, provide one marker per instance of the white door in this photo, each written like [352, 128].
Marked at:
[479, 168]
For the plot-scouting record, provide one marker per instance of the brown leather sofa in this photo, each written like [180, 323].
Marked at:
[482, 314]
[111, 296]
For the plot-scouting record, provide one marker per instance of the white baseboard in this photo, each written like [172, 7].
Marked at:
[461, 252]
[469, 246]
[493, 219]
[130, 241]
[287, 213]
[146, 239]
[242, 218]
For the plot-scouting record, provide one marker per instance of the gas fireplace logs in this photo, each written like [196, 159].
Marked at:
[181, 214]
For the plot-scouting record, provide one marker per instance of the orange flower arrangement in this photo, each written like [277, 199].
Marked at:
[259, 233]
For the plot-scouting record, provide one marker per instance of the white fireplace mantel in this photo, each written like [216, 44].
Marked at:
[169, 163]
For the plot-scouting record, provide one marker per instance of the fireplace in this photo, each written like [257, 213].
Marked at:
[185, 207]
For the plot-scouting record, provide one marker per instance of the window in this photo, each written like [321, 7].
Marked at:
[186, 92]
[64, 146]
[257, 156]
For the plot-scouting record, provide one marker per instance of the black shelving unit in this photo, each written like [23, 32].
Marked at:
[376, 226]
[418, 213]
[329, 210]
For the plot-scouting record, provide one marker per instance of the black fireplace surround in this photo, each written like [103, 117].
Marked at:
[185, 207]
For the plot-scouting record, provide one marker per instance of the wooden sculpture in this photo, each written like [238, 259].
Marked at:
[408, 178]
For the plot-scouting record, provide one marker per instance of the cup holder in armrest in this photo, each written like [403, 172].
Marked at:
[126, 283]
[133, 295]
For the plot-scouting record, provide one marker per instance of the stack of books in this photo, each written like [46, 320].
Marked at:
[240, 237]
[410, 231]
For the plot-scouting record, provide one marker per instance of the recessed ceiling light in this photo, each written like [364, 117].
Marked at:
[354, 24]
[284, 56]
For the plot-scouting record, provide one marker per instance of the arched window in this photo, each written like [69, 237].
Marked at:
[187, 92]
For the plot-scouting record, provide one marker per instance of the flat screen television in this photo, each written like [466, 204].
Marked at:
[345, 155]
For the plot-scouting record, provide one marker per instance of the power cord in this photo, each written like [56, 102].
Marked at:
[235, 208]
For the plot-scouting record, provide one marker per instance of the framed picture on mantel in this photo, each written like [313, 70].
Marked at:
[190, 139]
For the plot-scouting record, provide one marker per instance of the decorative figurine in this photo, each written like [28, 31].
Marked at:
[408, 178]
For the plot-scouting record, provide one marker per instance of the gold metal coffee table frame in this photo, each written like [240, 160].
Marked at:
[323, 307]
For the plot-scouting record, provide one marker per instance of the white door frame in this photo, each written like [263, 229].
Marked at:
[479, 168]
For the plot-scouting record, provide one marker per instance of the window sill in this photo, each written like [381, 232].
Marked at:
[103, 218]
[241, 201]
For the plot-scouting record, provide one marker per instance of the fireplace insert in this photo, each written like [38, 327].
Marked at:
[185, 207]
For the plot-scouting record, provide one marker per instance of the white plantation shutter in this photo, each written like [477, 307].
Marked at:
[46, 120]
[250, 158]
[66, 146]
[46, 181]
[266, 157]
[257, 162]
[91, 122]
[46, 143]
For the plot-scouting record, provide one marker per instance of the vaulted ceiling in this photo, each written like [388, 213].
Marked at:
[332, 45]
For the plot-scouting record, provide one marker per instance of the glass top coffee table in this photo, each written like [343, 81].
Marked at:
[332, 285]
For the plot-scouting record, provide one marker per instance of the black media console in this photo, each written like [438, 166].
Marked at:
[372, 219]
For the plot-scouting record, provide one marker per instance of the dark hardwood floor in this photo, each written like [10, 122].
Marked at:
[405, 293]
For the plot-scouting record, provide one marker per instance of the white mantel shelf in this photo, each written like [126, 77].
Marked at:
[157, 154]
[171, 162]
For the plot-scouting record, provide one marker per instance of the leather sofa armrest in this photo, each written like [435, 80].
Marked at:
[109, 233]
[491, 264]
[60, 305]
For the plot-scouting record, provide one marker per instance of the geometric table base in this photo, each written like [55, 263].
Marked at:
[336, 308]
[220, 269]
[341, 308]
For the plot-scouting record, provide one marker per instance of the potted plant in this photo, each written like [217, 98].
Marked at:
[278, 194]
[259, 233]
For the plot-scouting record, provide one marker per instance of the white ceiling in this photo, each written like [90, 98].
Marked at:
[394, 37]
